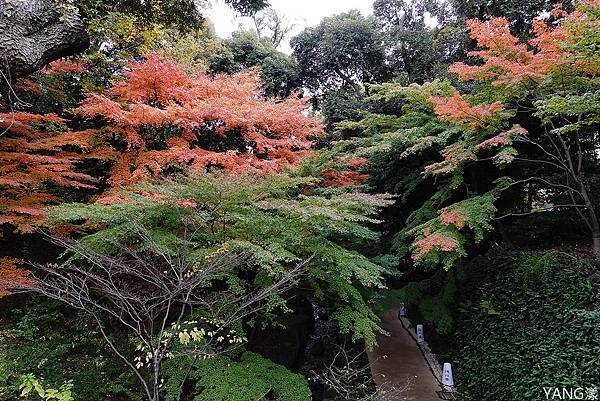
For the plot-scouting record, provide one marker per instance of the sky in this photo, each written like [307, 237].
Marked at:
[301, 13]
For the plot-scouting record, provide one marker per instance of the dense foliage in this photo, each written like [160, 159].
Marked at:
[497, 349]
[251, 378]
[157, 121]
[457, 204]
[43, 339]
[245, 49]
[270, 218]
[203, 192]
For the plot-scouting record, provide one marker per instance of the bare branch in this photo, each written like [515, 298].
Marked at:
[154, 296]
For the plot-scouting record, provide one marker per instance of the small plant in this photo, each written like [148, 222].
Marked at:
[32, 385]
[534, 267]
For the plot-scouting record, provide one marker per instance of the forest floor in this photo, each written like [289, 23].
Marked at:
[398, 366]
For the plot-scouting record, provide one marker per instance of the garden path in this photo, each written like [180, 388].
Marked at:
[399, 368]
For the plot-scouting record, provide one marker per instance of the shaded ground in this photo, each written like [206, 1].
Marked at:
[398, 366]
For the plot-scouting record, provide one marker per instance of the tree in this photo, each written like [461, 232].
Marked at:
[556, 70]
[277, 220]
[192, 51]
[416, 50]
[247, 7]
[30, 170]
[244, 50]
[158, 121]
[392, 13]
[274, 23]
[36, 32]
[460, 181]
[164, 298]
[178, 265]
[167, 119]
[343, 50]
[520, 14]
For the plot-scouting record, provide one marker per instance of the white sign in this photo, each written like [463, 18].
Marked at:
[447, 379]
[402, 311]
[420, 336]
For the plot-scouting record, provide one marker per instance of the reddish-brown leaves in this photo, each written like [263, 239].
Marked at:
[11, 276]
[508, 61]
[456, 109]
[349, 175]
[253, 133]
[33, 155]
[156, 121]
[434, 241]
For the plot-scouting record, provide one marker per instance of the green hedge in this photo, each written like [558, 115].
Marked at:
[526, 321]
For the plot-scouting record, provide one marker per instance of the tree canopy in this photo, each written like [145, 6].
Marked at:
[343, 50]
[188, 217]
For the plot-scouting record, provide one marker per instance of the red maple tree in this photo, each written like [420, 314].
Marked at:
[155, 122]
[12, 276]
[160, 119]
[34, 157]
[509, 61]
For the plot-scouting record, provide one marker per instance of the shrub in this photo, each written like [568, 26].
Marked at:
[531, 323]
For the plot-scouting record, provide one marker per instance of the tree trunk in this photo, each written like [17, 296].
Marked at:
[34, 33]
[593, 218]
[357, 88]
[596, 243]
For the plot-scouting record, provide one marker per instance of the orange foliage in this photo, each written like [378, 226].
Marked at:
[11, 276]
[31, 157]
[221, 121]
[158, 120]
[453, 217]
[434, 241]
[504, 138]
[456, 109]
[454, 155]
[350, 175]
[62, 66]
[508, 61]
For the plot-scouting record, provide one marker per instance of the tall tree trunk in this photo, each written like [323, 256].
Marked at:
[593, 218]
[357, 88]
[34, 33]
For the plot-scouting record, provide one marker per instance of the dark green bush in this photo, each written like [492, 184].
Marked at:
[526, 321]
[252, 378]
[56, 344]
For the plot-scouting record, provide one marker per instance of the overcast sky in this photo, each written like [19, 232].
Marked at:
[301, 13]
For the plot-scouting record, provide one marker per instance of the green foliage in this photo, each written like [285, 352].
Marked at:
[527, 321]
[279, 72]
[30, 383]
[41, 339]
[416, 51]
[183, 14]
[434, 299]
[338, 106]
[535, 267]
[519, 13]
[269, 218]
[342, 51]
[251, 378]
[442, 217]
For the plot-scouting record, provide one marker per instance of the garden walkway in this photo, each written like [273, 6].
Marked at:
[399, 369]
